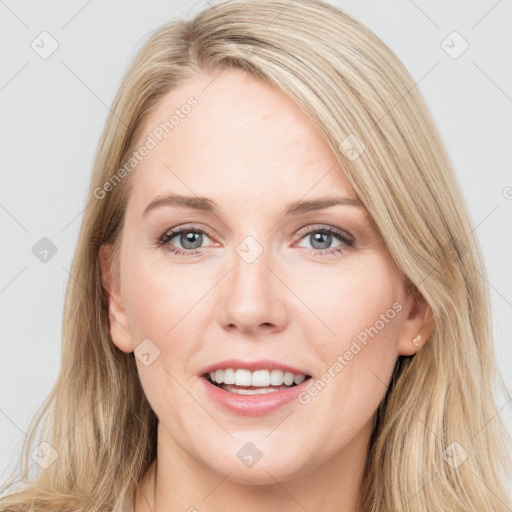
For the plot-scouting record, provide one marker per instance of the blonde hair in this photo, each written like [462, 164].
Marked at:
[366, 105]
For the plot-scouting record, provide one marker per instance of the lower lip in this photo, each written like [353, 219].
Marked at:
[253, 405]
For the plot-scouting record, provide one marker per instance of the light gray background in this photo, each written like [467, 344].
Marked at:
[53, 111]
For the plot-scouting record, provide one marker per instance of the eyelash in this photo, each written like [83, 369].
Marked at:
[345, 238]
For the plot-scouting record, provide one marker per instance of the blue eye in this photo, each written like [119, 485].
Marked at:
[321, 237]
[188, 238]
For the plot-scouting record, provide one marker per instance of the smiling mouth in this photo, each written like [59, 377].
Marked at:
[233, 388]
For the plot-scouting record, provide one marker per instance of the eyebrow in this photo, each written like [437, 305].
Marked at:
[207, 205]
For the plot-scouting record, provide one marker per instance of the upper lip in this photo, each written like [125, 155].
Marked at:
[262, 364]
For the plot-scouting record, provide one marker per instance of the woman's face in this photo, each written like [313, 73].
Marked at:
[254, 280]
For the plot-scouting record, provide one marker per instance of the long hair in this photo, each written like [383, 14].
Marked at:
[438, 442]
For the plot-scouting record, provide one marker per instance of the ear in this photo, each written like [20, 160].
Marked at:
[417, 327]
[118, 319]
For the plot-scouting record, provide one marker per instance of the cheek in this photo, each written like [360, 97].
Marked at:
[157, 294]
[166, 304]
[159, 304]
[363, 311]
[358, 313]
[349, 300]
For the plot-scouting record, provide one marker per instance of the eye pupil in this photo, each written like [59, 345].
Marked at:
[317, 237]
[189, 238]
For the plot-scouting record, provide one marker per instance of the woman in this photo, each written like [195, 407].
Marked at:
[277, 301]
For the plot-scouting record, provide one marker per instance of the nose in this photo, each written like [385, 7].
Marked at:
[253, 296]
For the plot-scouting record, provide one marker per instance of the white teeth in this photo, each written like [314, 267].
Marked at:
[258, 378]
[242, 377]
[276, 377]
[299, 378]
[229, 376]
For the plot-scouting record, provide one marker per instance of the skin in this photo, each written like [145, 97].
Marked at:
[250, 149]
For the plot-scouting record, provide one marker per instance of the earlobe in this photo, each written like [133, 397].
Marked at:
[118, 319]
[417, 327]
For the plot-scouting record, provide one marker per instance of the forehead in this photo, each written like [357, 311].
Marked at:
[244, 140]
